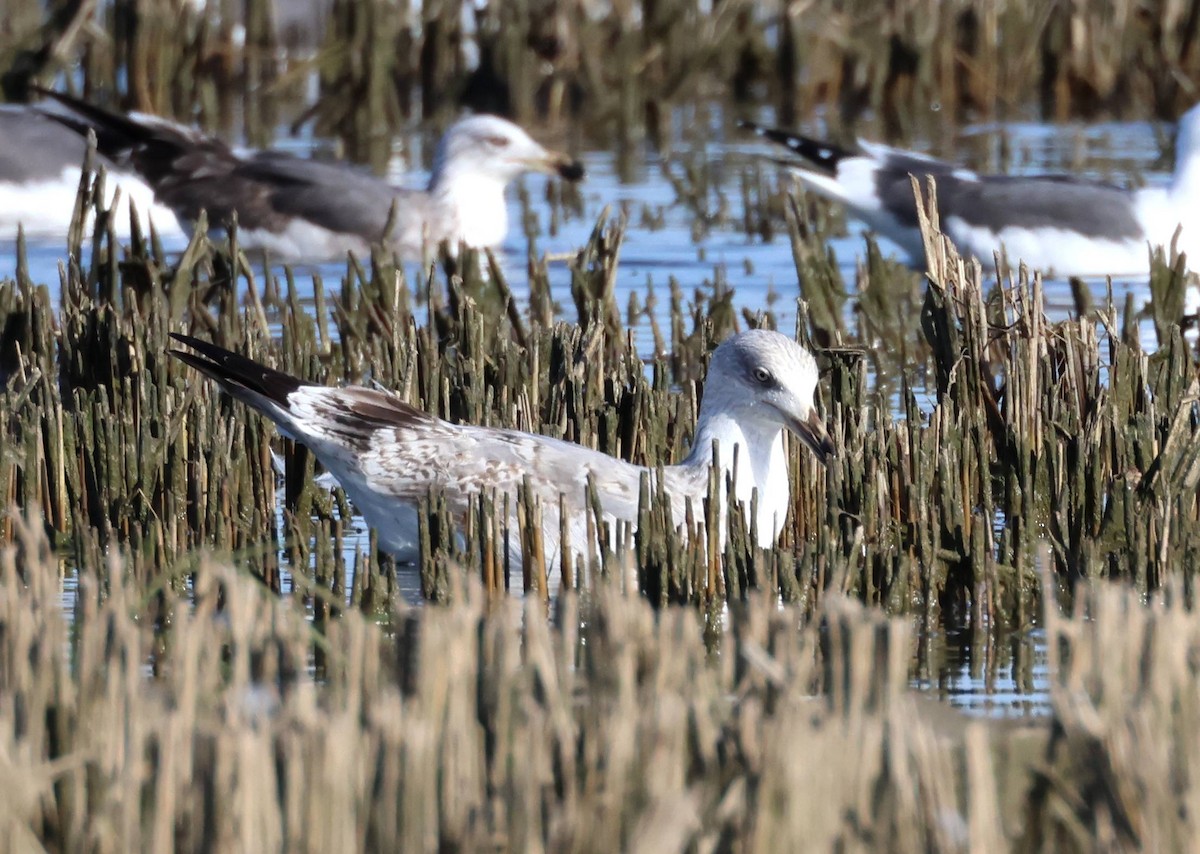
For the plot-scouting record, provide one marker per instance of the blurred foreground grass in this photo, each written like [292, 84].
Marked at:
[198, 725]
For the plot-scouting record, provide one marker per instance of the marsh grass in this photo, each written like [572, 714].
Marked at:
[224, 717]
[621, 70]
[1027, 431]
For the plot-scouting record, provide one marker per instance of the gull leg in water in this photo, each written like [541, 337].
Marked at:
[389, 455]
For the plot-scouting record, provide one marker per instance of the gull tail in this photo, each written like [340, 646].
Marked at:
[158, 149]
[320, 416]
[254, 384]
[116, 134]
[824, 155]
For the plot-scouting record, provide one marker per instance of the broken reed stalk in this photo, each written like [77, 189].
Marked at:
[621, 72]
[471, 726]
[1030, 431]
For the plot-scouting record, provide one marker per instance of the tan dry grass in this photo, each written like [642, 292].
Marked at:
[611, 728]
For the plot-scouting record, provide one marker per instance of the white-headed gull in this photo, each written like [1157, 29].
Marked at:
[40, 161]
[305, 210]
[388, 455]
[1059, 224]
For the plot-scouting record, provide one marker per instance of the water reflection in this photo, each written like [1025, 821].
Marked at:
[993, 674]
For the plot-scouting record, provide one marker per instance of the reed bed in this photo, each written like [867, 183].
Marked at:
[222, 718]
[621, 69]
[655, 693]
[1024, 432]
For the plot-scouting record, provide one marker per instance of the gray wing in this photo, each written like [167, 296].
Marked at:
[463, 461]
[1092, 208]
[335, 196]
[191, 179]
[499, 463]
[267, 190]
[389, 463]
[191, 171]
[188, 170]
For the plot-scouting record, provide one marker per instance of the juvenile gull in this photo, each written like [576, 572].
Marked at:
[1059, 224]
[304, 210]
[388, 455]
[40, 161]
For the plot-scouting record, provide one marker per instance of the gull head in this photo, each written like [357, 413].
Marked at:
[489, 147]
[766, 381]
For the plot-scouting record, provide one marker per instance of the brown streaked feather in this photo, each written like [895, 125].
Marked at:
[374, 409]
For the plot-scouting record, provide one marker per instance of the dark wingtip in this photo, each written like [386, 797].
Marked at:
[824, 155]
[183, 355]
[206, 348]
[234, 371]
[192, 360]
[47, 92]
[116, 134]
[77, 106]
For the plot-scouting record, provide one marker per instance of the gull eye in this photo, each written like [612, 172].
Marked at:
[496, 141]
[763, 376]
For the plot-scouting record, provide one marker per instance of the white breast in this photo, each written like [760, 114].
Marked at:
[472, 210]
